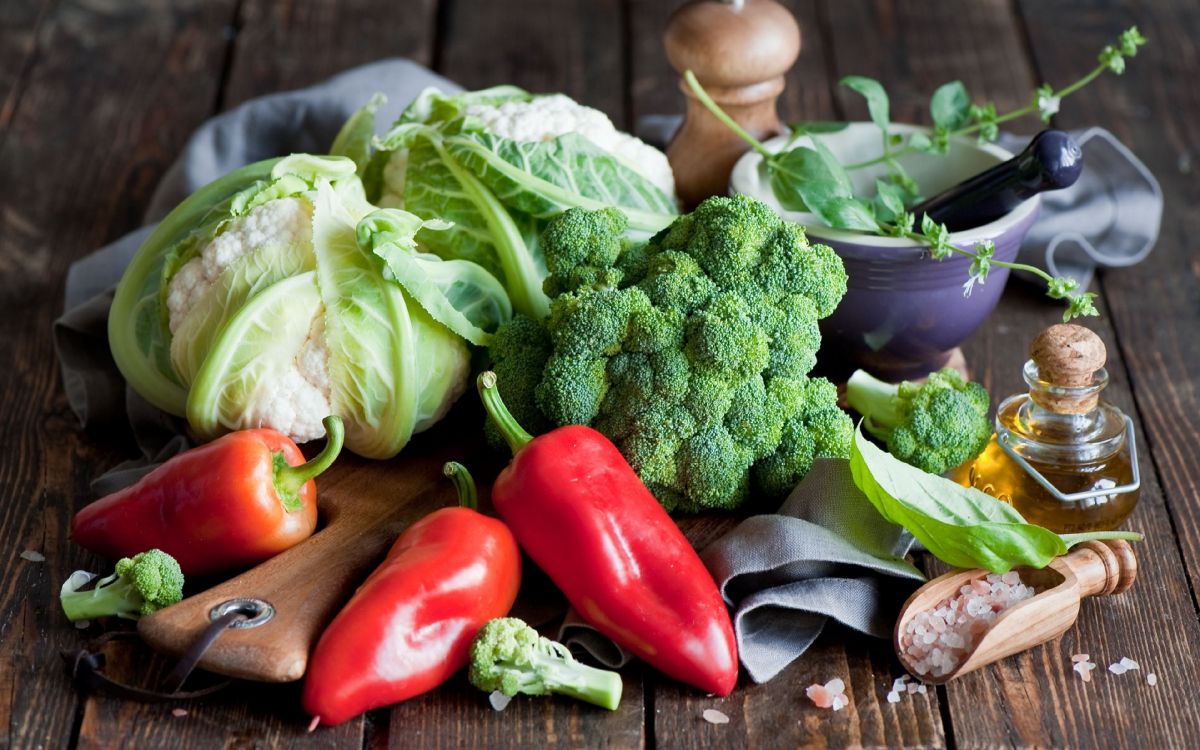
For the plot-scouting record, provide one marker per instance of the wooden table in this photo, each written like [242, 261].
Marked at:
[96, 99]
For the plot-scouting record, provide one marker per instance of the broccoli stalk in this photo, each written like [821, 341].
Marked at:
[141, 585]
[935, 426]
[509, 656]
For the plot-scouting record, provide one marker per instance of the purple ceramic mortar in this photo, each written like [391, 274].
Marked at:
[903, 312]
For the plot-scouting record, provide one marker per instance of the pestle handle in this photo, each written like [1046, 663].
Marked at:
[1051, 161]
[1103, 568]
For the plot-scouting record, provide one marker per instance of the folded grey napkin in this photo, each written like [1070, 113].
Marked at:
[306, 120]
[826, 554]
[1108, 219]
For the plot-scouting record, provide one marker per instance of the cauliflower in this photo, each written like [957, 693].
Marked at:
[547, 117]
[296, 403]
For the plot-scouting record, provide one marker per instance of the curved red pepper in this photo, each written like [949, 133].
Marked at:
[583, 515]
[409, 626]
[226, 505]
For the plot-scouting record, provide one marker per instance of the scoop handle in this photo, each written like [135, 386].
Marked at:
[1102, 567]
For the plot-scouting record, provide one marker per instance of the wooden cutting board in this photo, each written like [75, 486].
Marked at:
[364, 505]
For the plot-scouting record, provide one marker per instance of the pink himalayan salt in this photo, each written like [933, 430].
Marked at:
[1084, 668]
[829, 695]
[713, 716]
[935, 642]
[1151, 679]
[1080, 657]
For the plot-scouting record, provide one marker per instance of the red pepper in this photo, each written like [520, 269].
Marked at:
[230, 504]
[583, 515]
[409, 626]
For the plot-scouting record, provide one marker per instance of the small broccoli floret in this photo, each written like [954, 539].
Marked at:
[935, 426]
[518, 352]
[509, 656]
[580, 249]
[141, 585]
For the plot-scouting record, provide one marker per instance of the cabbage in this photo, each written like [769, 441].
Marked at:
[497, 192]
[300, 297]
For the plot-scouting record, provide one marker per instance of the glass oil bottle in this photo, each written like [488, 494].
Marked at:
[1062, 457]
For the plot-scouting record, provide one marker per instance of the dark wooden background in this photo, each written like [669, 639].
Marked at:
[98, 96]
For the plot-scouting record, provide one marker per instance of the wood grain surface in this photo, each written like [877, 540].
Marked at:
[98, 96]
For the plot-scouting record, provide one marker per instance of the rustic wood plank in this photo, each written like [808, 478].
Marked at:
[20, 24]
[568, 46]
[113, 91]
[283, 45]
[1155, 306]
[1035, 698]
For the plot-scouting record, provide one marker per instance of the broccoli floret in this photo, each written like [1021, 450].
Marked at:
[935, 426]
[696, 363]
[141, 585]
[509, 656]
[518, 353]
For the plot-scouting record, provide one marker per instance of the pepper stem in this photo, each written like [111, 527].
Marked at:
[289, 479]
[513, 433]
[464, 483]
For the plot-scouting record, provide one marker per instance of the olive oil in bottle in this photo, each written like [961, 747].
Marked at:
[1062, 457]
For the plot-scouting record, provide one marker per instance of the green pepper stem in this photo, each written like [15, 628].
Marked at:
[514, 434]
[289, 479]
[464, 483]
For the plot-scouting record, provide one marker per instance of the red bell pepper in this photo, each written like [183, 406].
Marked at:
[583, 515]
[409, 626]
[226, 505]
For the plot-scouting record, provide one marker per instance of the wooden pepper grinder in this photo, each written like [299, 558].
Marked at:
[739, 50]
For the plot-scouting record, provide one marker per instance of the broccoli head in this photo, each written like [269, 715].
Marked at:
[935, 426]
[509, 656]
[693, 354]
[141, 585]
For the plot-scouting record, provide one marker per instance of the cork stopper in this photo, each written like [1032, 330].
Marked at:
[739, 51]
[1067, 357]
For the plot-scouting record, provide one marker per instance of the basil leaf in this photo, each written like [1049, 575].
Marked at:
[804, 179]
[920, 142]
[889, 200]
[877, 98]
[959, 525]
[805, 127]
[950, 105]
[848, 213]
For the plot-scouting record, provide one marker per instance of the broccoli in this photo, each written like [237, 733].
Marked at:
[509, 656]
[690, 351]
[141, 585]
[934, 427]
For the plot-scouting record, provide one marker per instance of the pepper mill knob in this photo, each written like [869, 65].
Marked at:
[1068, 355]
[739, 51]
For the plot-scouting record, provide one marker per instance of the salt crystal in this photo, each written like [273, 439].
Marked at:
[893, 697]
[840, 702]
[819, 696]
[713, 716]
[499, 700]
[912, 688]
[835, 686]
[179, 713]
[922, 689]
[1118, 668]
[1084, 672]
[33, 556]
[1080, 657]
[1129, 663]
[1012, 578]
[898, 683]
[1151, 679]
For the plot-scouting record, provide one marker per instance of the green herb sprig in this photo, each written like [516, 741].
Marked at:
[813, 180]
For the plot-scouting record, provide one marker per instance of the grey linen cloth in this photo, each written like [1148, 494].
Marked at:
[1108, 219]
[306, 120]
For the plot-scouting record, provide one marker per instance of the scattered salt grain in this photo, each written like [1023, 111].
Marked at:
[33, 556]
[1129, 663]
[912, 687]
[713, 716]
[1151, 679]
[499, 700]
[1080, 657]
[893, 697]
[935, 642]
[179, 713]
[1084, 668]
[898, 683]
[828, 695]
[922, 688]
[1118, 668]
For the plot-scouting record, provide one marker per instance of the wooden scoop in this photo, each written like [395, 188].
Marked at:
[1089, 569]
[364, 505]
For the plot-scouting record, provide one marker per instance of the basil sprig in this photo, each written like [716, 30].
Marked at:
[960, 526]
[811, 179]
